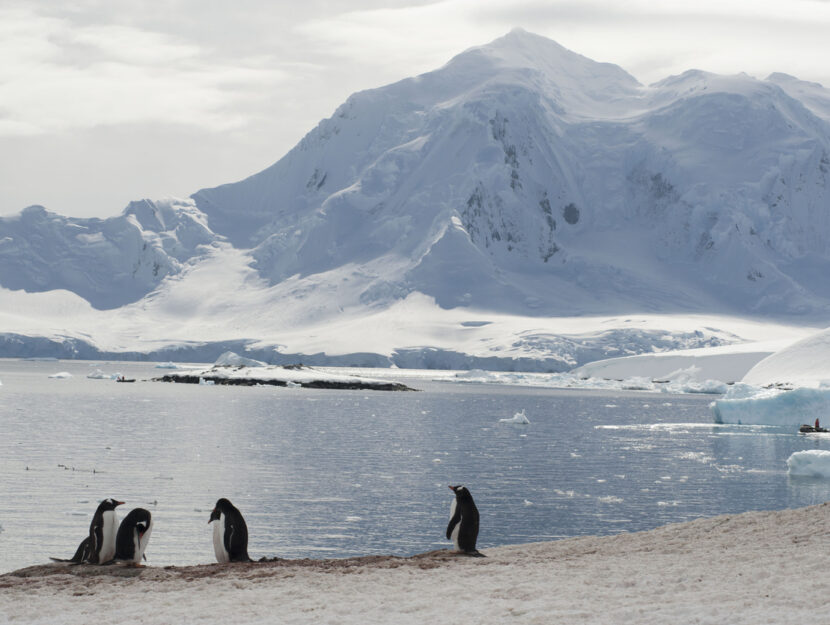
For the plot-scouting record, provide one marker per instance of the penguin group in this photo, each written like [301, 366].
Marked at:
[109, 542]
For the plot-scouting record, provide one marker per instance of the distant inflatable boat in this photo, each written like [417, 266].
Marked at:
[123, 379]
[806, 429]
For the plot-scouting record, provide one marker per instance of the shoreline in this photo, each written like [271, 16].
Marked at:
[747, 568]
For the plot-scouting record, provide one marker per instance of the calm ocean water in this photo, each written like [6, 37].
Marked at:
[321, 473]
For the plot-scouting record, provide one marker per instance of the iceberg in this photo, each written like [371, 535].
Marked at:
[232, 359]
[745, 404]
[810, 463]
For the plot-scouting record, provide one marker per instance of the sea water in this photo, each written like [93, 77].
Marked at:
[325, 473]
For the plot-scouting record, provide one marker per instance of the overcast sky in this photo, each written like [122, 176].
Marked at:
[107, 101]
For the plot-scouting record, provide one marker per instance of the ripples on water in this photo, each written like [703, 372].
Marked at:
[321, 473]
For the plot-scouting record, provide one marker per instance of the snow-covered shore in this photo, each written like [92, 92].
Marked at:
[755, 567]
[296, 375]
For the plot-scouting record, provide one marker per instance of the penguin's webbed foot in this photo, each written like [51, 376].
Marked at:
[473, 554]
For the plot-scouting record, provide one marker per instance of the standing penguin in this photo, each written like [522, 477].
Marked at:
[102, 532]
[463, 525]
[133, 536]
[230, 534]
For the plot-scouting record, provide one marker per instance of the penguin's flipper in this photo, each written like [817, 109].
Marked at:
[455, 520]
[228, 538]
[96, 539]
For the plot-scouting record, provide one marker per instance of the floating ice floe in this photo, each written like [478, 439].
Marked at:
[680, 381]
[63, 375]
[745, 404]
[98, 375]
[810, 463]
[203, 382]
[167, 365]
[519, 418]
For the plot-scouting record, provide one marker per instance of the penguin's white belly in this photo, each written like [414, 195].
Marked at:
[457, 528]
[454, 535]
[141, 543]
[219, 540]
[110, 529]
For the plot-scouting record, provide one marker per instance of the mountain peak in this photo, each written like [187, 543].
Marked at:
[523, 50]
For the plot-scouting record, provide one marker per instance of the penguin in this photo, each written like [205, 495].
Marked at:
[102, 532]
[463, 525]
[230, 534]
[99, 546]
[81, 554]
[133, 536]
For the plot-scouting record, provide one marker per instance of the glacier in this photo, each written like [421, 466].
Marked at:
[517, 187]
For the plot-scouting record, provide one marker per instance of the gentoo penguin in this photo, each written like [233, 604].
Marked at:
[463, 525]
[102, 532]
[133, 536]
[230, 534]
[81, 554]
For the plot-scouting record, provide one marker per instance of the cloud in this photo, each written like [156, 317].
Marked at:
[649, 39]
[58, 74]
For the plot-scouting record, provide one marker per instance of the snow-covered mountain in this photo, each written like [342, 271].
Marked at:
[520, 179]
[108, 262]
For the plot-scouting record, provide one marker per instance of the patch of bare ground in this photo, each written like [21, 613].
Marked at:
[60, 573]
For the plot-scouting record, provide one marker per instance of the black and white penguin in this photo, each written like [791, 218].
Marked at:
[133, 536]
[230, 533]
[102, 532]
[81, 554]
[463, 525]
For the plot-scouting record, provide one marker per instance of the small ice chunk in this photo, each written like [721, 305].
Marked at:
[519, 418]
[809, 463]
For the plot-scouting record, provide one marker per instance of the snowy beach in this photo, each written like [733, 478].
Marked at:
[750, 568]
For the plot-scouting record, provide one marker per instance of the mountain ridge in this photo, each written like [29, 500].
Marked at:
[519, 178]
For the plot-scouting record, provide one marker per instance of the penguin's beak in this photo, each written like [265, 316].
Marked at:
[453, 488]
[119, 503]
[214, 516]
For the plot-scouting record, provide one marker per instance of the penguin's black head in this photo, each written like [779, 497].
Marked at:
[140, 518]
[142, 526]
[109, 504]
[460, 491]
[222, 506]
